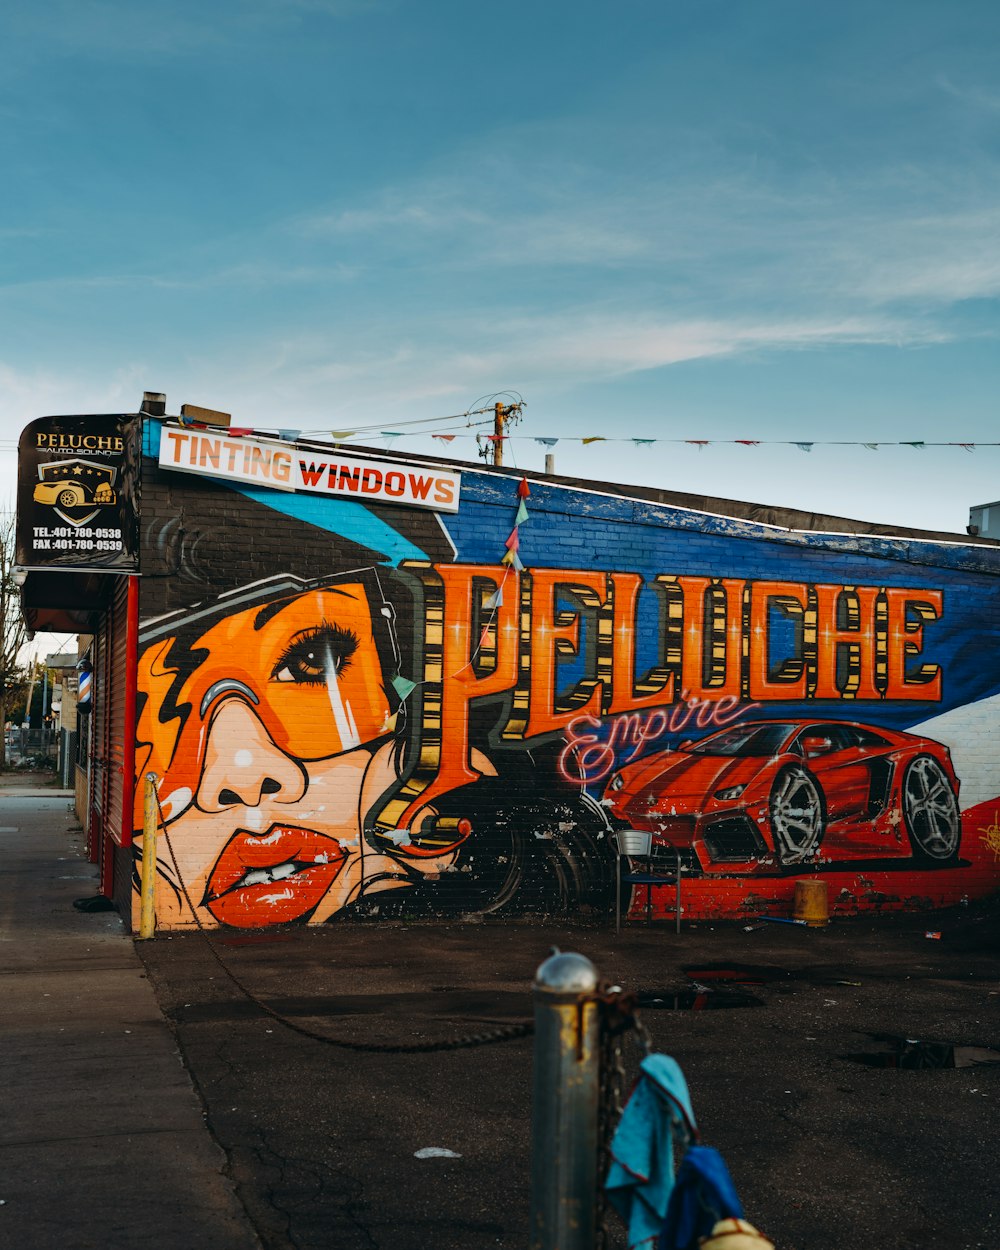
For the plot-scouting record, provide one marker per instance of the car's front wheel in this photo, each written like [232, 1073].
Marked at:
[930, 810]
[797, 820]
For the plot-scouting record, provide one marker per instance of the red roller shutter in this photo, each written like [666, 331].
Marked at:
[118, 677]
[113, 730]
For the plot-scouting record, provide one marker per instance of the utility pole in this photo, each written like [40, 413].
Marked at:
[31, 691]
[498, 429]
[503, 414]
[46, 737]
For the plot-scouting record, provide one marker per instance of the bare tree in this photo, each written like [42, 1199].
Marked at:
[12, 627]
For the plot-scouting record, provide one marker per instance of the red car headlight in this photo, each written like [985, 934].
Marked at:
[730, 792]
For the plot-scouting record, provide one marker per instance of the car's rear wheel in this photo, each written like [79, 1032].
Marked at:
[69, 497]
[797, 819]
[533, 853]
[930, 810]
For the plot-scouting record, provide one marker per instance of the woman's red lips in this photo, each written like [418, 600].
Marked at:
[272, 877]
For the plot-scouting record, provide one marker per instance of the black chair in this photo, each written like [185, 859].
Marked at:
[643, 867]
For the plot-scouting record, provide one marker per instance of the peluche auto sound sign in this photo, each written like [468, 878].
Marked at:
[77, 494]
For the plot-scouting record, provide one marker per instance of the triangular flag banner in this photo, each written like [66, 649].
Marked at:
[804, 446]
[522, 513]
[919, 444]
[496, 438]
[495, 600]
[391, 434]
[509, 556]
[967, 446]
[238, 431]
[444, 438]
[870, 446]
[516, 561]
[341, 433]
[523, 489]
[290, 436]
[699, 442]
[748, 442]
[403, 686]
[514, 541]
[596, 438]
[547, 442]
[643, 442]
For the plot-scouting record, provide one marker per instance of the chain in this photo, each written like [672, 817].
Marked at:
[618, 1018]
[503, 1033]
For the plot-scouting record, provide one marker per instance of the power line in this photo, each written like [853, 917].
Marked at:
[365, 429]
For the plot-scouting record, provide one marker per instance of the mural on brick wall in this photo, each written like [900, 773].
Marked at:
[423, 736]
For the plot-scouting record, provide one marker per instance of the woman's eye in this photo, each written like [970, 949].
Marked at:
[316, 655]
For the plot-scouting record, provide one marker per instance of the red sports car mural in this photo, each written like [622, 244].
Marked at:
[771, 795]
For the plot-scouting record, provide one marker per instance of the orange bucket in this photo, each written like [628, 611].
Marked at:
[811, 902]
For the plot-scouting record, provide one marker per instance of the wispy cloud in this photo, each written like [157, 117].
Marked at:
[825, 248]
[448, 362]
[26, 394]
[939, 259]
[608, 346]
[977, 97]
[433, 214]
[558, 235]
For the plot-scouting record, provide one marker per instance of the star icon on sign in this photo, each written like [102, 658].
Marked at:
[77, 470]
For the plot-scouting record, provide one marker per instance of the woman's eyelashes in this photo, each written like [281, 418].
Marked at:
[316, 655]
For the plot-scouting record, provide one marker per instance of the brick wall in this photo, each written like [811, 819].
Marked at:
[378, 711]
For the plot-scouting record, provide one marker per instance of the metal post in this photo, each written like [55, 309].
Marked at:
[147, 880]
[678, 904]
[565, 1105]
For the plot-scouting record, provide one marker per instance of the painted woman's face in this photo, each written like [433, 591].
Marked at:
[266, 763]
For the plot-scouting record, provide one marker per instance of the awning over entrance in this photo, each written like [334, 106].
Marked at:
[65, 602]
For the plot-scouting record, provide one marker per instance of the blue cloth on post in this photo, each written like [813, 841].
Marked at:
[703, 1194]
[641, 1175]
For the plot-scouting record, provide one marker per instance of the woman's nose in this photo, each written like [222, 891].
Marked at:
[243, 763]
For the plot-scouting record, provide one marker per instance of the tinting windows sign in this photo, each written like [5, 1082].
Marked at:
[283, 466]
[77, 494]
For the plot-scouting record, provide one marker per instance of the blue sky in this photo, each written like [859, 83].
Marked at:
[671, 219]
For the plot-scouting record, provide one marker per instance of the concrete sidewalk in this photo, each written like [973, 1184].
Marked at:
[103, 1141]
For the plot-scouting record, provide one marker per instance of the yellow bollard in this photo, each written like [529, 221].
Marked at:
[811, 902]
[147, 881]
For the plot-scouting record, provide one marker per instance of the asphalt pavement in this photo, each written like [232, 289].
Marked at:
[311, 1143]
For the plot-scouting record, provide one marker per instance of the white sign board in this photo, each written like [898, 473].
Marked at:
[283, 466]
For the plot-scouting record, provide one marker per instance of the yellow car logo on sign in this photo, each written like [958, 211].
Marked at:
[76, 488]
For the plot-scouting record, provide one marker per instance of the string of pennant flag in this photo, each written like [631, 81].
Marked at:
[806, 445]
[700, 443]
